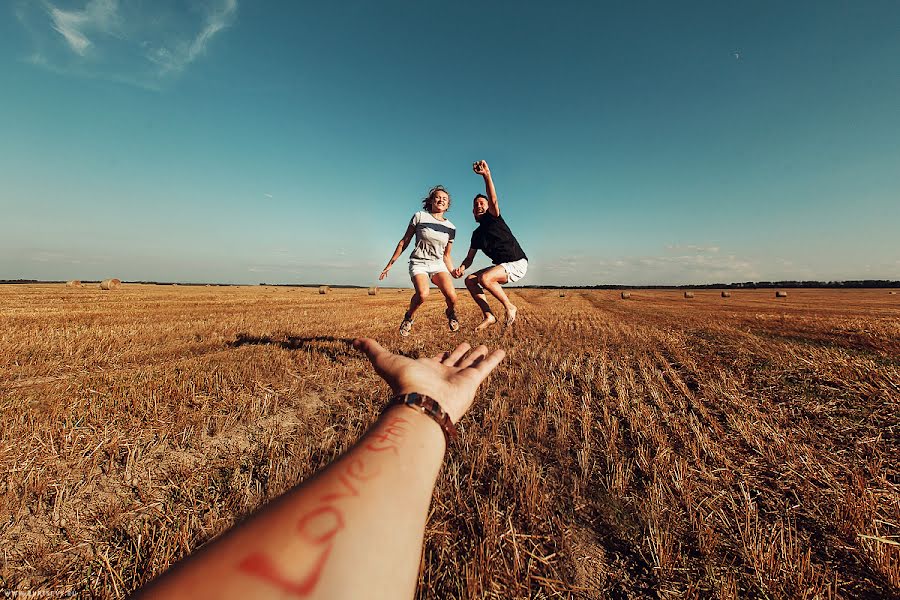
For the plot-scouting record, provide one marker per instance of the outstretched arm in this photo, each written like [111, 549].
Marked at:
[448, 260]
[481, 167]
[401, 246]
[465, 264]
[355, 529]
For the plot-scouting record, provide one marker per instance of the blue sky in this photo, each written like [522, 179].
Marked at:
[633, 143]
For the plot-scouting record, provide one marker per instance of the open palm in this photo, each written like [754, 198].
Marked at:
[451, 378]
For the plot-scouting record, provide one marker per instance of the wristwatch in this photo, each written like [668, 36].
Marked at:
[429, 406]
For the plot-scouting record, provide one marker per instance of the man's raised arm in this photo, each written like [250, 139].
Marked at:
[481, 168]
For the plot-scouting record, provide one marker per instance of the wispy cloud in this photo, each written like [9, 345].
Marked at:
[268, 195]
[693, 248]
[98, 16]
[47, 256]
[692, 264]
[146, 44]
[173, 56]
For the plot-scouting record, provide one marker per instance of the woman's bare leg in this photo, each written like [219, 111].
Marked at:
[444, 282]
[420, 283]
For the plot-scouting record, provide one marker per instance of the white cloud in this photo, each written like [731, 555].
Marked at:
[704, 265]
[173, 56]
[48, 256]
[693, 248]
[215, 22]
[141, 43]
[99, 15]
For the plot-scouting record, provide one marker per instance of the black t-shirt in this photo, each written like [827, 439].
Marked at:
[493, 237]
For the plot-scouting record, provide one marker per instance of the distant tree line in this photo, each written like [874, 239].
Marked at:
[747, 285]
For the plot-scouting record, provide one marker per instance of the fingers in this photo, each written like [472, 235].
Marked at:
[454, 357]
[373, 350]
[440, 356]
[474, 356]
[489, 362]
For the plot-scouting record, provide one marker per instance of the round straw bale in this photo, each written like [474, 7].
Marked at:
[373, 290]
[323, 289]
[73, 283]
[626, 295]
[726, 294]
[689, 294]
[780, 294]
[110, 284]
[892, 293]
[562, 294]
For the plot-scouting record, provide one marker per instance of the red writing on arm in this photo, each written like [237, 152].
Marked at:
[317, 528]
[355, 469]
[387, 440]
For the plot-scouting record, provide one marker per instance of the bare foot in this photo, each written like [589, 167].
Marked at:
[511, 315]
[489, 319]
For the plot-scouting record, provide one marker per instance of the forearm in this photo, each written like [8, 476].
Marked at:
[489, 190]
[401, 246]
[353, 531]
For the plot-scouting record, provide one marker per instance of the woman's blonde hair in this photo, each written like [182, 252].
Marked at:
[428, 201]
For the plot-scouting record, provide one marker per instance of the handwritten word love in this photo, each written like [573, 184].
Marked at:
[319, 527]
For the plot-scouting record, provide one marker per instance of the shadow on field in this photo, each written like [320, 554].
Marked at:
[329, 346]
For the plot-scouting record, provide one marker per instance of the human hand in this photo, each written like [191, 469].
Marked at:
[457, 272]
[481, 168]
[384, 273]
[451, 378]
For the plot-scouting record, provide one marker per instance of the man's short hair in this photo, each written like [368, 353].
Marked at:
[477, 196]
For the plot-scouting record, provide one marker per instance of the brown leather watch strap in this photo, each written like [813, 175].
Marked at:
[429, 406]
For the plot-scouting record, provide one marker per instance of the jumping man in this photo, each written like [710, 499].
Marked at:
[493, 237]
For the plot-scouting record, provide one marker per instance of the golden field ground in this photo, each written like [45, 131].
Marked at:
[656, 446]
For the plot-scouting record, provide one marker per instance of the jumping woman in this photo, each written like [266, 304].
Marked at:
[430, 259]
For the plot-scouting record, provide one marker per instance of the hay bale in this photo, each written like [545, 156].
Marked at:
[110, 284]
[73, 283]
[689, 294]
[373, 290]
[323, 289]
[892, 293]
[562, 294]
[780, 294]
[726, 294]
[626, 295]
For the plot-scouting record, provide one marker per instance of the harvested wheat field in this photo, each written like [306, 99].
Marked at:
[745, 447]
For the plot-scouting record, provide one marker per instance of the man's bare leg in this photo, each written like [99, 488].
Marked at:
[480, 300]
[492, 279]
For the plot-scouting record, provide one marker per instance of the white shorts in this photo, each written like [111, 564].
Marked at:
[515, 270]
[426, 267]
